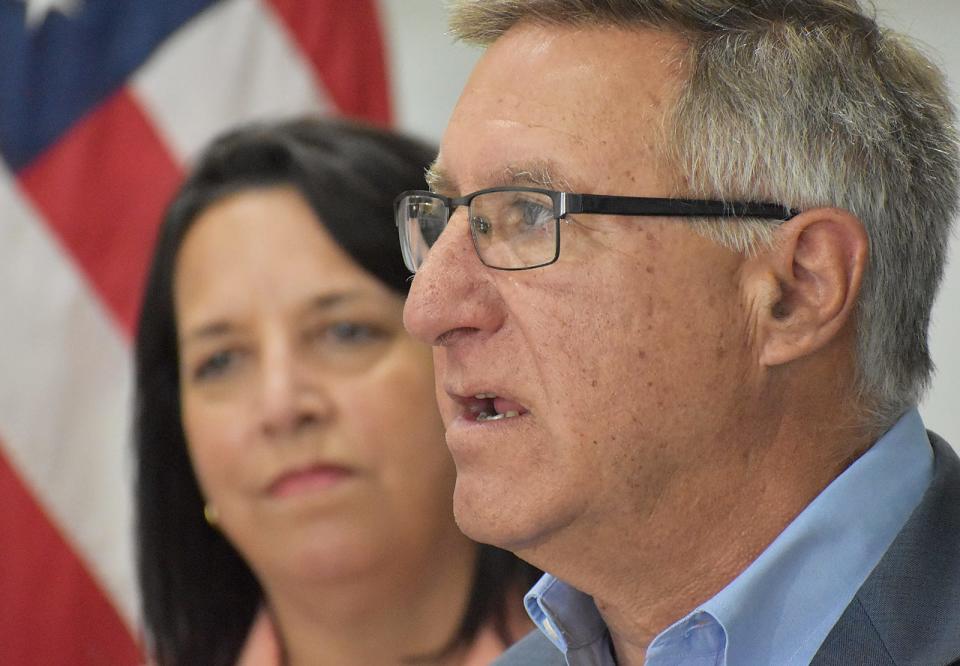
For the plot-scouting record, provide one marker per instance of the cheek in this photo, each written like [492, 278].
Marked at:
[640, 353]
[394, 414]
[216, 444]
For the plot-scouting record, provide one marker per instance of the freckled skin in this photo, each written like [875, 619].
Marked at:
[668, 381]
[664, 393]
[612, 349]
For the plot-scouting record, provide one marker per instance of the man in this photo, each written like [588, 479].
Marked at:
[692, 401]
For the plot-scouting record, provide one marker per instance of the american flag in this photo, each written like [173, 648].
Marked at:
[102, 105]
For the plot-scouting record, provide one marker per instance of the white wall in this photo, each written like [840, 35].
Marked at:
[427, 68]
[936, 24]
[428, 71]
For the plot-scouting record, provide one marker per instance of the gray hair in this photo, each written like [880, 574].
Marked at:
[808, 103]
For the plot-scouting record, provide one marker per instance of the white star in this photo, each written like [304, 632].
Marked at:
[37, 10]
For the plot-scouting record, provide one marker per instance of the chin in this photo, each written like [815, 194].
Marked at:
[505, 519]
[317, 555]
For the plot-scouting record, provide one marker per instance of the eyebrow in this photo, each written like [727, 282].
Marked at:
[540, 173]
[221, 327]
[438, 180]
[535, 173]
[209, 331]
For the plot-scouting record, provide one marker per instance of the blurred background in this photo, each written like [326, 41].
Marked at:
[102, 106]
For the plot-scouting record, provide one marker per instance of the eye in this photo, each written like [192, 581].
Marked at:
[480, 224]
[533, 214]
[348, 333]
[216, 365]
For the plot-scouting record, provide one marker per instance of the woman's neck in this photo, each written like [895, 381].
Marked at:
[405, 610]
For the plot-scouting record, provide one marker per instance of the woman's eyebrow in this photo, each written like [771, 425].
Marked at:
[223, 326]
[207, 331]
[335, 298]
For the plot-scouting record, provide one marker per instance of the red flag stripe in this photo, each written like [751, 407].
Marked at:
[62, 616]
[343, 42]
[244, 47]
[105, 185]
[97, 196]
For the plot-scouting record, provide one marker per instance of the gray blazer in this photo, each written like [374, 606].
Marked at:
[907, 612]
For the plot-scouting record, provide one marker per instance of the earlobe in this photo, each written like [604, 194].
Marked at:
[818, 262]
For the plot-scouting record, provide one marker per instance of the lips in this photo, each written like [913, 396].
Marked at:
[486, 406]
[312, 478]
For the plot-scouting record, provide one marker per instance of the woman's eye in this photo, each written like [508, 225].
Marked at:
[215, 365]
[348, 332]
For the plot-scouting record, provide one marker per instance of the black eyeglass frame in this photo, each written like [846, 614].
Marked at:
[566, 203]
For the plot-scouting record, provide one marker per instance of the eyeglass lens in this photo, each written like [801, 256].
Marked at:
[421, 219]
[510, 229]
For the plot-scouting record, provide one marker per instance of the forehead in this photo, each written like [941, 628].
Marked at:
[590, 102]
[261, 244]
[251, 229]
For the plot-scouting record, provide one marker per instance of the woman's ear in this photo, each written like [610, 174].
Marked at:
[808, 283]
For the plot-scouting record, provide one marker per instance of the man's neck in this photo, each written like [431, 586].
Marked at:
[646, 572]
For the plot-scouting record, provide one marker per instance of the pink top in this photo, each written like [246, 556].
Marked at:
[262, 647]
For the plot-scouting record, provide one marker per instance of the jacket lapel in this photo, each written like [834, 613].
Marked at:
[908, 610]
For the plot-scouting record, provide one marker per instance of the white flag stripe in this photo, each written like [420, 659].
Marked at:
[65, 398]
[233, 64]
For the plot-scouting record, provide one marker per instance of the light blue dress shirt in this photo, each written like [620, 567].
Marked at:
[779, 609]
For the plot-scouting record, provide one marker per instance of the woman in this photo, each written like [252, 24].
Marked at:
[294, 490]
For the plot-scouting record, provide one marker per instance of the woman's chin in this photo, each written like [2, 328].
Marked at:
[327, 558]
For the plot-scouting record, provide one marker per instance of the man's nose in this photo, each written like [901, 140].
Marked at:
[291, 397]
[452, 291]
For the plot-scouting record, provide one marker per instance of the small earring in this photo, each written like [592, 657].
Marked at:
[210, 514]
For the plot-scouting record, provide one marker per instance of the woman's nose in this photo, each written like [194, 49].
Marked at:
[292, 397]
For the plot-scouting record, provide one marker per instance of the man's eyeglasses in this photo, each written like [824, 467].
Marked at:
[517, 228]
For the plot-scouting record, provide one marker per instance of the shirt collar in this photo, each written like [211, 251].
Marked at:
[570, 620]
[781, 607]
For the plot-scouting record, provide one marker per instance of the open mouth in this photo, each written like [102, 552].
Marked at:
[485, 407]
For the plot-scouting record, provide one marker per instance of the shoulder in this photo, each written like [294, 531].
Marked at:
[908, 610]
[532, 650]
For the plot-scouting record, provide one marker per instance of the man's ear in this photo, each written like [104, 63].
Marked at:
[808, 283]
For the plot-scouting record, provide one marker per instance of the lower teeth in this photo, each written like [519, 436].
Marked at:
[483, 416]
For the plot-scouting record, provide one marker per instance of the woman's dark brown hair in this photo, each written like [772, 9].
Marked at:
[199, 596]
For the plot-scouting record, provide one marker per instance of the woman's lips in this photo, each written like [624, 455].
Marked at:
[314, 478]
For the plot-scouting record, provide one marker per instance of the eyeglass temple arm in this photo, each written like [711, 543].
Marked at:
[602, 204]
